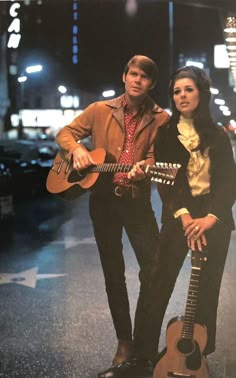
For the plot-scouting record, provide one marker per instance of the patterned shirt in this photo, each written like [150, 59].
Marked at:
[131, 121]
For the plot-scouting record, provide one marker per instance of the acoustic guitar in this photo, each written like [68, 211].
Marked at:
[185, 339]
[69, 183]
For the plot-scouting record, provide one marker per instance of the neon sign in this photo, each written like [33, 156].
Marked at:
[75, 32]
[14, 27]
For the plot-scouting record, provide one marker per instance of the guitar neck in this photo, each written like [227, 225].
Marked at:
[111, 167]
[191, 305]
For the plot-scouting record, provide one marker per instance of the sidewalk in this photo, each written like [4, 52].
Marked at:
[54, 319]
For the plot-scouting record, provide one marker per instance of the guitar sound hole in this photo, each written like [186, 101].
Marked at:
[185, 346]
[76, 176]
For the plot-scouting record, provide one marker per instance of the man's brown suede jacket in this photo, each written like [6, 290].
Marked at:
[104, 122]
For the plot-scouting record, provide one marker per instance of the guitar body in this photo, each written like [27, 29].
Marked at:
[68, 183]
[183, 358]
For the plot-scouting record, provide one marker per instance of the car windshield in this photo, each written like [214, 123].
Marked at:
[20, 151]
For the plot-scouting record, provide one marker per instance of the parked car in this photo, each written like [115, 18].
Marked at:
[29, 165]
[6, 194]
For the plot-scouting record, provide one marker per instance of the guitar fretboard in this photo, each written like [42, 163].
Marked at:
[191, 305]
[111, 167]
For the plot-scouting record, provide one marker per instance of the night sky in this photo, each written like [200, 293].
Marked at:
[108, 38]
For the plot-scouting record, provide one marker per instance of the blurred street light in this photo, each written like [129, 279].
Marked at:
[223, 108]
[131, 7]
[62, 89]
[69, 101]
[22, 79]
[227, 113]
[219, 101]
[193, 63]
[214, 90]
[230, 26]
[109, 93]
[32, 69]
[230, 41]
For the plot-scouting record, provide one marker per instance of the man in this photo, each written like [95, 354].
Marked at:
[126, 128]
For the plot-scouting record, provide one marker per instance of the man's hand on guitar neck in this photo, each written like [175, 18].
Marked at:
[137, 173]
[82, 158]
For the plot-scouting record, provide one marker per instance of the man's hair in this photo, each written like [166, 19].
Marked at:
[144, 63]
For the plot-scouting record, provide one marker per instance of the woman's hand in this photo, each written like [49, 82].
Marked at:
[195, 231]
[186, 220]
[197, 242]
[199, 225]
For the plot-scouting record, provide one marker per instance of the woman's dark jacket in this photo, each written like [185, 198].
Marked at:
[222, 195]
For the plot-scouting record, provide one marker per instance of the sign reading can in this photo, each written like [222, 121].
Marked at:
[15, 26]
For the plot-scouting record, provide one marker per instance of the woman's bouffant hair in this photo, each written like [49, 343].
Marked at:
[144, 63]
[202, 118]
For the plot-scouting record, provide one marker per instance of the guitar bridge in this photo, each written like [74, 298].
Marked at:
[57, 166]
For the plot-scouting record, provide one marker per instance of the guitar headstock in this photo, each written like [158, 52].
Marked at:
[163, 173]
[198, 259]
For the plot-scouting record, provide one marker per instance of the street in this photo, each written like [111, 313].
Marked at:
[55, 320]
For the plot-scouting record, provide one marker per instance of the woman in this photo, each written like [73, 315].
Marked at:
[197, 210]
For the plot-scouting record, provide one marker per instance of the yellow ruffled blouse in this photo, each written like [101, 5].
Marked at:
[199, 165]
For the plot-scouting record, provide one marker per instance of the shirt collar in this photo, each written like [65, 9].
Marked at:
[186, 127]
[126, 106]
